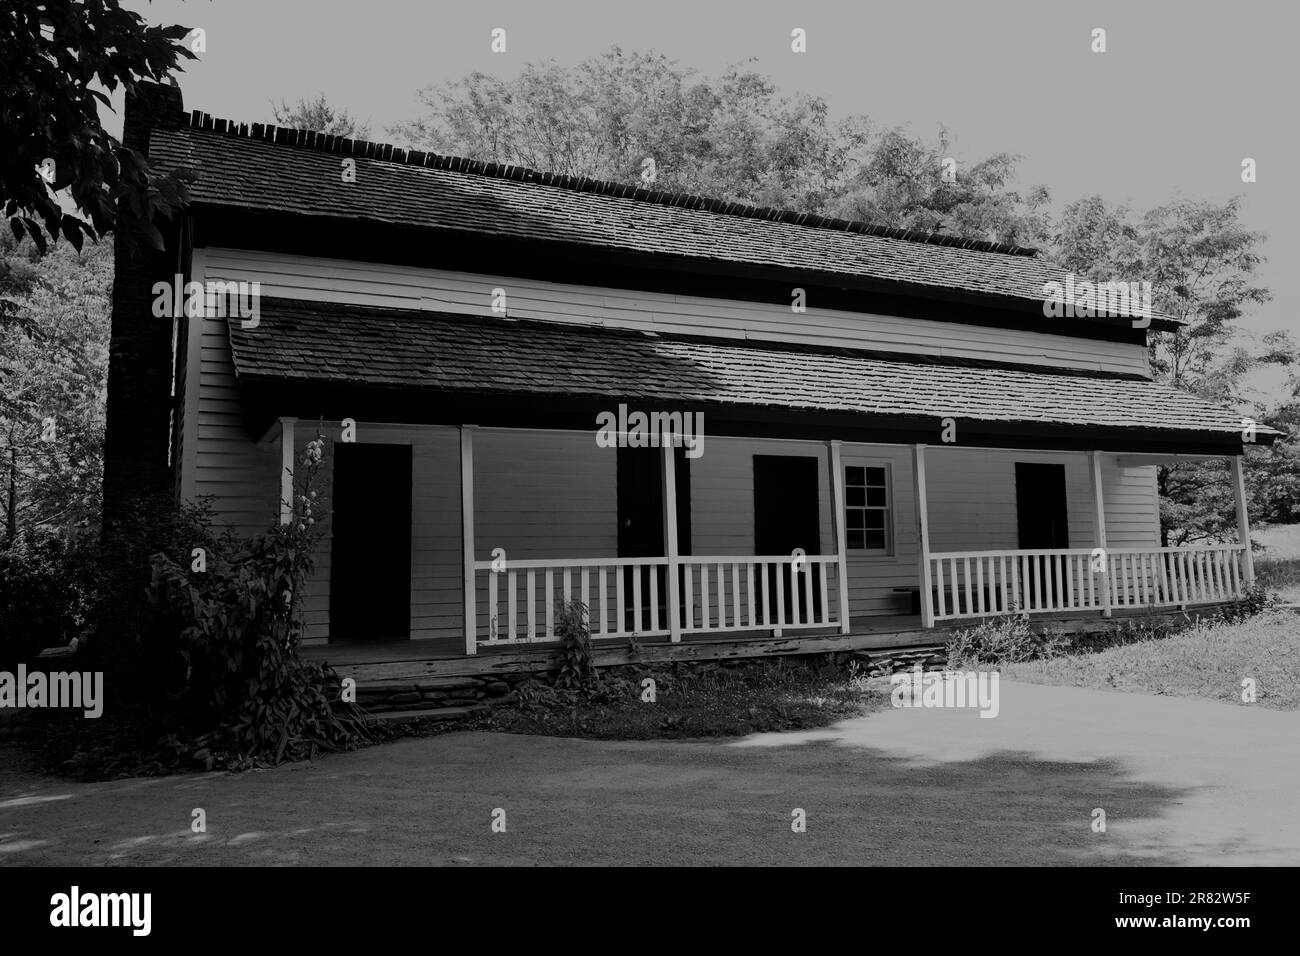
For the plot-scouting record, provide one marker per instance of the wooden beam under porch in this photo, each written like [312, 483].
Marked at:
[428, 658]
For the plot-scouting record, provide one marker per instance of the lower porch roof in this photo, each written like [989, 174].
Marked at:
[333, 360]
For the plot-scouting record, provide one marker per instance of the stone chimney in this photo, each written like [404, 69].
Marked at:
[137, 432]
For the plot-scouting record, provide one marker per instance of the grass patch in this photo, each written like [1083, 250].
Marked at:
[1207, 660]
[1277, 569]
[1280, 576]
[693, 701]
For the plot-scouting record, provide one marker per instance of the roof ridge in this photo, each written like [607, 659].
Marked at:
[386, 152]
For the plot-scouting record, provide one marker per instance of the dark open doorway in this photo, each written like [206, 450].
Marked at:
[786, 517]
[1042, 523]
[641, 523]
[370, 554]
[1041, 516]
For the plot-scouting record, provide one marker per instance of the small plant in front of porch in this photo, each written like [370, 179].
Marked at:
[576, 668]
[1256, 600]
[693, 699]
[1002, 640]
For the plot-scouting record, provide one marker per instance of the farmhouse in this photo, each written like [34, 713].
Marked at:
[920, 446]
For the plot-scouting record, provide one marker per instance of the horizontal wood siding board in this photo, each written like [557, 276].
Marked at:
[972, 497]
[333, 280]
[325, 237]
[1132, 502]
[540, 494]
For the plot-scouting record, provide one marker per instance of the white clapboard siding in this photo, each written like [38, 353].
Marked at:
[972, 498]
[1132, 501]
[363, 283]
[544, 494]
[722, 492]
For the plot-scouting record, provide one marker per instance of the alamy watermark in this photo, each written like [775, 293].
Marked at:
[212, 299]
[920, 688]
[75, 909]
[624, 429]
[1085, 299]
[78, 690]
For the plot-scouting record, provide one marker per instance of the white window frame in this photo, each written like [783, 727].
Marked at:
[888, 509]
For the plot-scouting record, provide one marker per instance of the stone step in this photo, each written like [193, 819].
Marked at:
[433, 713]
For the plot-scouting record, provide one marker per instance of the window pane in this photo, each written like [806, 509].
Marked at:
[854, 476]
[855, 539]
[875, 519]
[875, 540]
[875, 476]
[876, 497]
[856, 496]
[855, 521]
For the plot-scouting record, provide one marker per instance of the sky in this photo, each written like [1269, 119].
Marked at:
[1184, 92]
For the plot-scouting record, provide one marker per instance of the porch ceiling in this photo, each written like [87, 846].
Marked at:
[426, 354]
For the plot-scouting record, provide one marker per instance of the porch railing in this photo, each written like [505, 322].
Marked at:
[968, 584]
[757, 593]
[629, 596]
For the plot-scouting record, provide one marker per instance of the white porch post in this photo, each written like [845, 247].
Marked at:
[670, 538]
[1099, 521]
[286, 469]
[841, 539]
[467, 535]
[1243, 521]
[923, 522]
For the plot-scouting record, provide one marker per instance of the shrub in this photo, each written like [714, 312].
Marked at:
[1258, 599]
[246, 696]
[1003, 640]
[147, 526]
[47, 595]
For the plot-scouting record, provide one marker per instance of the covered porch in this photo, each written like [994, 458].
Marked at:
[727, 596]
[910, 590]
[839, 498]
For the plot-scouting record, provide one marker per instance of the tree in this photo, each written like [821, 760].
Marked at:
[52, 55]
[54, 370]
[1201, 263]
[640, 118]
[1273, 480]
[318, 116]
[903, 184]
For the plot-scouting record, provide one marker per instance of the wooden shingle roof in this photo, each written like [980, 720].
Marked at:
[322, 343]
[266, 168]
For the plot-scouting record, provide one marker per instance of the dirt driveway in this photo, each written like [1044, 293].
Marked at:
[1181, 781]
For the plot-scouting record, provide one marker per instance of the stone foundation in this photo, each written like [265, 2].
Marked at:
[472, 694]
[456, 697]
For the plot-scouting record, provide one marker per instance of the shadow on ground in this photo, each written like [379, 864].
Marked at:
[1181, 782]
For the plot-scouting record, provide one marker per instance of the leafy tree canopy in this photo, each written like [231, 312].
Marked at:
[53, 377]
[733, 137]
[57, 60]
[319, 116]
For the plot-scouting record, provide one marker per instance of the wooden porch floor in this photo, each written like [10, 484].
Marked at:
[445, 657]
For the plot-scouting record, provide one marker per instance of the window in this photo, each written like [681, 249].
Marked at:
[866, 508]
